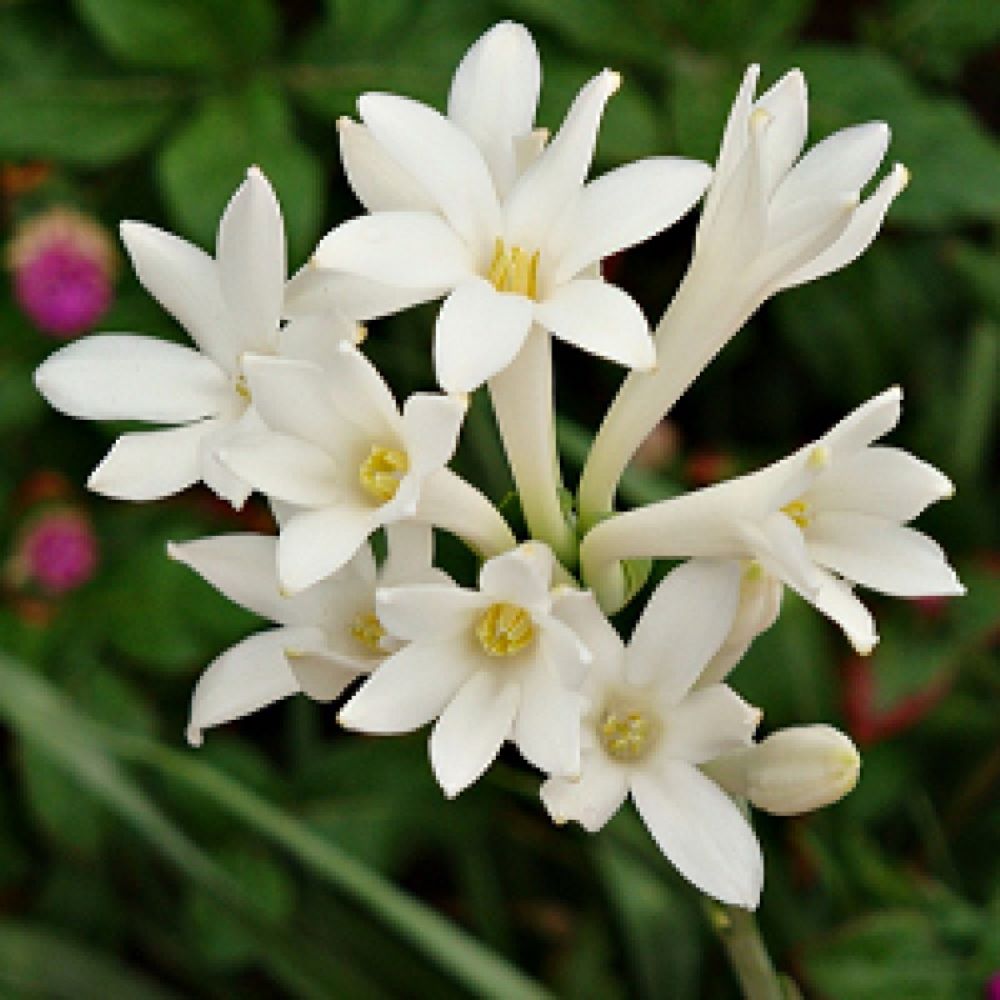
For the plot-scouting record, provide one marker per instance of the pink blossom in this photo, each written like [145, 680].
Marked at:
[58, 552]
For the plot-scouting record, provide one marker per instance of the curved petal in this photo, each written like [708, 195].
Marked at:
[248, 677]
[708, 723]
[580, 612]
[149, 465]
[548, 185]
[471, 730]
[316, 290]
[431, 425]
[629, 205]
[479, 331]
[701, 832]
[881, 555]
[777, 543]
[787, 105]
[185, 281]
[443, 160]
[409, 250]
[547, 727]
[322, 676]
[494, 94]
[522, 576]
[590, 800]
[378, 181]
[870, 421]
[409, 689]
[362, 396]
[600, 319]
[318, 338]
[219, 478]
[250, 252]
[685, 622]
[432, 611]
[315, 544]
[836, 600]
[127, 377]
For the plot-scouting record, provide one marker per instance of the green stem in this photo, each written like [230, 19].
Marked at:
[737, 930]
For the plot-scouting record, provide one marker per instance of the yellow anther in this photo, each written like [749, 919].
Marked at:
[514, 270]
[242, 387]
[753, 571]
[382, 471]
[819, 458]
[626, 736]
[505, 629]
[368, 630]
[798, 511]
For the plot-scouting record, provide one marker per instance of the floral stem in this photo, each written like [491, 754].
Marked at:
[737, 930]
[522, 402]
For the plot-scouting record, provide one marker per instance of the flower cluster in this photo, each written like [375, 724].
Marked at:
[480, 208]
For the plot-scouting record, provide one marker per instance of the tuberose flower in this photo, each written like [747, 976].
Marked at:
[830, 515]
[336, 448]
[327, 635]
[509, 248]
[647, 728]
[231, 306]
[490, 665]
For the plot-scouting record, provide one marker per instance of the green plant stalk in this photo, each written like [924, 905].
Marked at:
[737, 930]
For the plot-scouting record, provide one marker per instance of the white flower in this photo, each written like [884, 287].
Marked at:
[647, 729]
[509, 259]
[832, 512]
[793, 771]
[230, 306]
[336, 448]
[494, 664]
[771, 221]
[327, 636]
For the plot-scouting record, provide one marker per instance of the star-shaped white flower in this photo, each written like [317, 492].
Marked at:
[328, 634]
[231, 306]
[510, 259]
[832, 514]
[490, 664]
[337, 449]
[647, 729]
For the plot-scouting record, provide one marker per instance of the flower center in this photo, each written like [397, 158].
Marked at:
[368, 630]
[626, 735]
[798, 511]
[514, 270]
[505, 629]
[382, 471]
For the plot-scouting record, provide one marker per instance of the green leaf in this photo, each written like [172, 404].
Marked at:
[183, 34]
[976, 417]
[202, 165]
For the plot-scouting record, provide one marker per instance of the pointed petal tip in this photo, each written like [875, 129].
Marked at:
[194, 736]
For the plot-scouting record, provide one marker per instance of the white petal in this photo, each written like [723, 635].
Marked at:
[409, 689]
[442, 159]
[592, 799]
[410, 552]
[289, 468]
[684, 624]
[547, 727]
[315, 544]
[248, 677]
[627, 206]
[581, 613]
[322, 676]
[250, 251]
[601, 319]
[709, 722]
[777, 543]
[836, 600]
[859, 233]
[214, 474]
[523, 576]
[881, 555]
[363, 397]
[842, 163]
[316, 290]
[429, 610]
[411, 250]
[567, 651]
[431, 425]
[379, 182]
[317, 338]
[148, 465]
[878, 480]
[126, 377]
[870, 421]
[701, 832]
[471, 730]
[494, 94]
[554, 179]
[185, 281]
[786, 103]
[478, 333]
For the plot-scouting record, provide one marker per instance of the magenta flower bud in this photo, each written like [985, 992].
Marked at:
[57, 552]
[993, 987]
[63, 266]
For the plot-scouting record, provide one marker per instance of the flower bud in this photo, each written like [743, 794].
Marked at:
[56, 552]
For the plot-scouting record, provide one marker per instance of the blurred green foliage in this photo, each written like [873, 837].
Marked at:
[287, 858]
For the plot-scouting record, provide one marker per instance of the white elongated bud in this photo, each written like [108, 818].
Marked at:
[793, 771]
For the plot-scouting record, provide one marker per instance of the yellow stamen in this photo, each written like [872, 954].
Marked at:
[368, 630]
[626, 736]
[798, 511]
[514, 270]
[242, 388]
[505, 629]
[381, 472]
